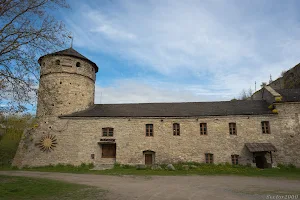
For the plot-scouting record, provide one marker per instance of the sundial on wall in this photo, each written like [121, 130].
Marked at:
[47, 143]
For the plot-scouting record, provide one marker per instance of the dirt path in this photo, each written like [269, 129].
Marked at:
[178, 187]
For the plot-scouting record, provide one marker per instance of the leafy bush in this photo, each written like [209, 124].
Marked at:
[275, 111]
[126, 166]
[117, 164]
[8, 149]
[14, 126]
[278, 99]
[286, 167]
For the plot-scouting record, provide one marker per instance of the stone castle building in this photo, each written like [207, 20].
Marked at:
[262, 131]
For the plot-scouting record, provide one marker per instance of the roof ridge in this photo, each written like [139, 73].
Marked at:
[186, 102]
[187, 109]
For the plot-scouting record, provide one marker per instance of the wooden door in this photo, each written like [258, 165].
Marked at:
[148, 159]
[108, 150]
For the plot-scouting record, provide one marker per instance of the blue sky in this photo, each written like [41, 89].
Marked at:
[174, 51]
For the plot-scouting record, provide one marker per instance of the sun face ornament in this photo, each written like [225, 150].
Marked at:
[47, 143]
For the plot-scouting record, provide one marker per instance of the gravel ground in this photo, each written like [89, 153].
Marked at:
[179, 187]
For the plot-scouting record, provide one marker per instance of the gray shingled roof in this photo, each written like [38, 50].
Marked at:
[73, 53]
[260, 147]
[290, 95]
[188, 109]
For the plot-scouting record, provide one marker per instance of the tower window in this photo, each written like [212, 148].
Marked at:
[78, 64]
[57, 62]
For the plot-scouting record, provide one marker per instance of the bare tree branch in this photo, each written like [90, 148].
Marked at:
[27, 31]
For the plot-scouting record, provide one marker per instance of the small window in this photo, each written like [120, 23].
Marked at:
[78, 64]
[232, 128]
[107, 132]
[57, 62]
[203, 129]
[209, 158]
[265, 126]
[235, 159]
[149, 130]
[176, 129]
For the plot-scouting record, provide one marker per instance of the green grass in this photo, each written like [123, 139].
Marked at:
[289, 172]
[8, 147]
[21, 188]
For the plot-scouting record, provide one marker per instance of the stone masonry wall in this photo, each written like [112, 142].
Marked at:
[78, 139]
[64, 87]
[289, 122]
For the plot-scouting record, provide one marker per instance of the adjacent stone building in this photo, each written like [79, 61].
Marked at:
[263, 131]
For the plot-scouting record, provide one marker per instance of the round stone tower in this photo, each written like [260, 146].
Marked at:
[67, 83]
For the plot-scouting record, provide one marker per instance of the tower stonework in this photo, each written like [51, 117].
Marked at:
[67, 83]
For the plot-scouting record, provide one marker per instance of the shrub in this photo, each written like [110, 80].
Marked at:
[291, 166]
[278, 99]
[286, 167]
[271, 107]
[117, 165]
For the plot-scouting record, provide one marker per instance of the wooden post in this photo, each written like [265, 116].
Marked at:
[271, 158]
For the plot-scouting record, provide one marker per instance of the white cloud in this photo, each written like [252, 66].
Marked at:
[235, 42]
[138, 91]
[106, 28]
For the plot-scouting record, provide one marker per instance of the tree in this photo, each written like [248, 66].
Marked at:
[12, 128]
[245, 94]
[27, 31]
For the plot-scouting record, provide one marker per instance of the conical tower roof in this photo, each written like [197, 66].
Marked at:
[70, 52]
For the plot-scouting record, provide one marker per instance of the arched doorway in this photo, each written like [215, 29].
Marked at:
[149, 157]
